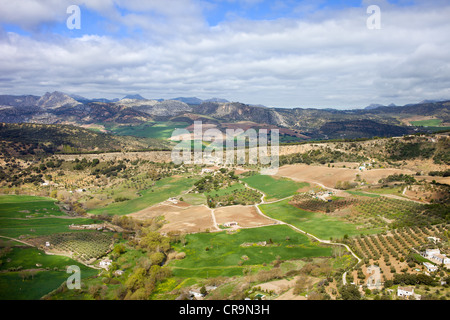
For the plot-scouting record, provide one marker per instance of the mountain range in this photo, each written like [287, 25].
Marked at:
[374, 120]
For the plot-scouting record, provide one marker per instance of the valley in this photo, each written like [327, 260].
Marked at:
[103, 193]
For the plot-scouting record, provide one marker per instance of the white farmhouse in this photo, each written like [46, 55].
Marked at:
[430, 267]
[436, 255]
[442, 258]
[405, 291]
[105, 263]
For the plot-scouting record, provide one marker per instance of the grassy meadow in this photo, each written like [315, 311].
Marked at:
[161, 191]
[317, 224]
[44, 273]
[274, 188]
[221, 254]
[157, 130]
[19, 206]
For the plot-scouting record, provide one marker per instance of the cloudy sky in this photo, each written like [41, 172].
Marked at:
[277, 53]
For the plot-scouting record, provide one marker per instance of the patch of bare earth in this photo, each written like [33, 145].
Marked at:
[180, 219]
[245, 216]
[317, 174]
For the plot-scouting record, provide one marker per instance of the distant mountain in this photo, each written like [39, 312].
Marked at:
[65, 137]
[18, 101]
[374, 120]
[56, 100]
[373, 106]
[166, 108]
[190, 100]
[87, 100]
[216, 100]
[197, 101]
[352, 129]
[134, 97]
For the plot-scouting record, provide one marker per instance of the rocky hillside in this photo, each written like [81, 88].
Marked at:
[59, 108]
[66, 138]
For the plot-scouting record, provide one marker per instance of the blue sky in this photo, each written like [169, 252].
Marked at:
[278, 53]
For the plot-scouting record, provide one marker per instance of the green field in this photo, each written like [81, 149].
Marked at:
[317, 224]
[194, 199]
[274, 188]
[363, 194]
[427, 123]
[225, 191]
[18, 206]
[391, 190]
[161, 191]
[157, 130]
[14, 228]
[15, 208]
[224, 256]
[49, 275]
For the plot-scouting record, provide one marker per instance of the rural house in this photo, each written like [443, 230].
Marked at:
[430, 267]
[105, 263]
[405, 291]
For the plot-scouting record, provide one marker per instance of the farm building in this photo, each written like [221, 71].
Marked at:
[436, 255]
[430, 267]
[105, 263]
[230, 224]
[195, 293]
[405, 291]
[442, 258]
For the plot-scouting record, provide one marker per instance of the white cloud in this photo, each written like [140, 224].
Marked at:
[328, 60]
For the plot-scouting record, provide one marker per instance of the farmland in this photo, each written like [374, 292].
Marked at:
[179, 227]
[84, 246]
[318, 224]
[157, 130]
[394, 251]
[160, 191]
[12, 206]
[274, 188]
[223, 254]
[29, 273]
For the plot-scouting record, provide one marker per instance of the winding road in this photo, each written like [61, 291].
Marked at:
[302, 231]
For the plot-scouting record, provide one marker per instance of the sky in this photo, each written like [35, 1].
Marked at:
[307, 54]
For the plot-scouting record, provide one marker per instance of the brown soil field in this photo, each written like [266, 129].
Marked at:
[329, 176]
[184, 219]
[444, 180]
[317, 174]
[407, 121]
[289, 295]
[282, 285]
[373, 175]
[417, 193]
[245, 216]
